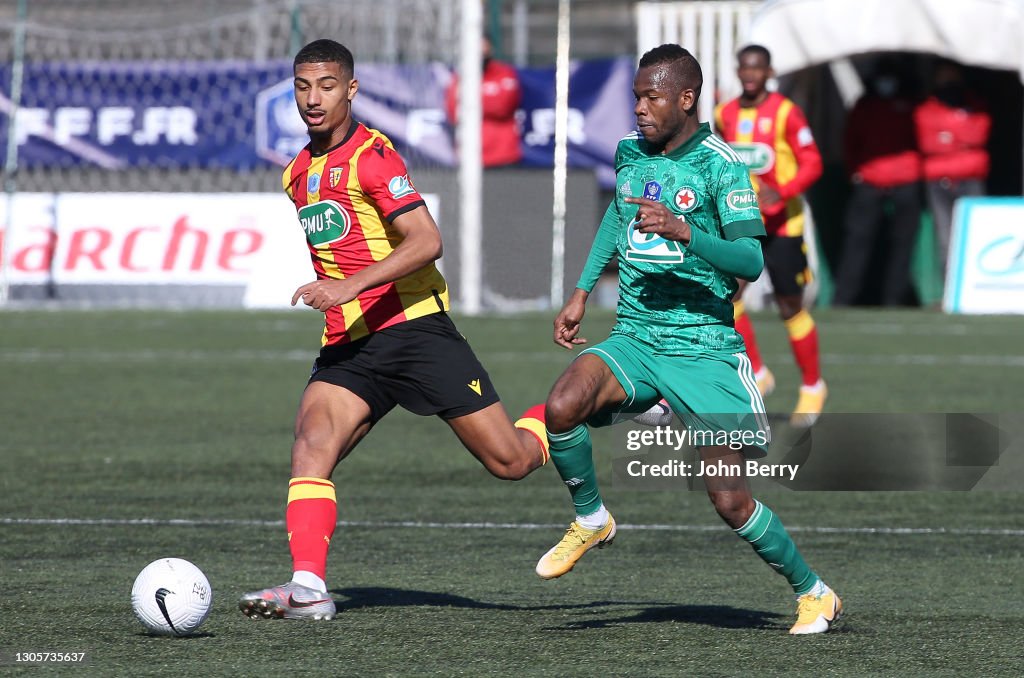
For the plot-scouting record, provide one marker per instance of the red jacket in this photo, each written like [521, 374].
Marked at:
[500, 94]
[880, 144]
[953, 140]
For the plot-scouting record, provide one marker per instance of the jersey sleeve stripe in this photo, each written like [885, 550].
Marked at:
[404, 209]
[748, 228]
[724, 149]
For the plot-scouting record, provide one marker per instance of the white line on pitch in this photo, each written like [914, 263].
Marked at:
[187, 522]
[204, 355]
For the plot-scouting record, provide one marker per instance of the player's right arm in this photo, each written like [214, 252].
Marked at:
[420, 246]
[567, 322]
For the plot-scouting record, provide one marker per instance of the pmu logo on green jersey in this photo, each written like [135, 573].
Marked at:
[743, 199]
[759, 158]
[324, 222]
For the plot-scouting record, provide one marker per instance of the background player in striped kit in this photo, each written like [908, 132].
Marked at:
[387, 337]
[683, 226]
[771, 134]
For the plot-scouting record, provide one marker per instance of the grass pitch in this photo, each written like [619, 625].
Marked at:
[128, 436]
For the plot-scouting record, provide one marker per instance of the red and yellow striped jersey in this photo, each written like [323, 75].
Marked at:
[778, 147]
[346, 199]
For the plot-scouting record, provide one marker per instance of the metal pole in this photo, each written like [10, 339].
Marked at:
[561, 156]
[470, 159]
[520, 33]
[11, 162]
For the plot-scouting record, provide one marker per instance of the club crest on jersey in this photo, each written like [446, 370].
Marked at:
[686, 199]
[764, 125]
[652, 190]
[335, 176]
[400, 187]
[313, 183]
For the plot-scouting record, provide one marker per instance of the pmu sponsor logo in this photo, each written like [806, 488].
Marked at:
[743, 199]
[324, 222]
[759, 158]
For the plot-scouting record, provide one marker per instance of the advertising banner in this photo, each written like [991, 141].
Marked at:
[241, 115]
[985, 272]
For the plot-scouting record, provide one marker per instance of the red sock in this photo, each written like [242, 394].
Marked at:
[310, 518]
[533, 422]
[803, 337]
[746, 330]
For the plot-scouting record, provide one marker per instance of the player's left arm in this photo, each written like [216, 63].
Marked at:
[738, 255]
[740, 258]
[808, 157]
[735, 249]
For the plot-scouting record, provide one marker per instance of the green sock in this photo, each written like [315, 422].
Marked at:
[764, 531]
[571, 455]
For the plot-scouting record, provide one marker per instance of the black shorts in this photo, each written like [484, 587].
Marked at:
[786, 261]
[422, 364]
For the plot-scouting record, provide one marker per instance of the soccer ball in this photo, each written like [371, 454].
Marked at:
[172, 597]
[660, 414]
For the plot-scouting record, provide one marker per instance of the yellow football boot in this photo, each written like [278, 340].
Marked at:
[577, 541]
[809, 406]
[816, 614]
[765, 381]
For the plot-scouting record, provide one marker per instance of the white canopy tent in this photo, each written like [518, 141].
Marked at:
[805, 33]
[802, 33]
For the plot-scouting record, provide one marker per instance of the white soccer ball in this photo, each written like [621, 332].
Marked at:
[660, 414]
[172, 597]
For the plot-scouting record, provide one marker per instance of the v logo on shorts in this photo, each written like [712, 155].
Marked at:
[475, 386]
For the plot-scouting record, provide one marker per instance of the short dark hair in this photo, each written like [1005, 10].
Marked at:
[326, 52]
[684, 65]
[755, 49]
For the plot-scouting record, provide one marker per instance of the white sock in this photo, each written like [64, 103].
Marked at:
[595, 520]
[813, 389]
[309, 580]
[819, 589]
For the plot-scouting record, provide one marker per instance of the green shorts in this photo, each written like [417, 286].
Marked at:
[714, 394]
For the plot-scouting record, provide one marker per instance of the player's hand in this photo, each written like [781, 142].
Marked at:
[769, 199]
[323, 294]
[654, 217]
[567, 323]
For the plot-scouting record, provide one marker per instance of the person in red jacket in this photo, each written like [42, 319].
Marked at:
[500, 96]
[770, 133]
[885, 170]
[953, 127]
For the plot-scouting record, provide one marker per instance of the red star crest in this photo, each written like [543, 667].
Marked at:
[686, 198]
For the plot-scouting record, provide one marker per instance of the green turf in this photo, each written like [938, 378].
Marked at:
[180, 415]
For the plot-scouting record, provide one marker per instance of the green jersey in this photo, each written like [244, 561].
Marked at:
[670, 297]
